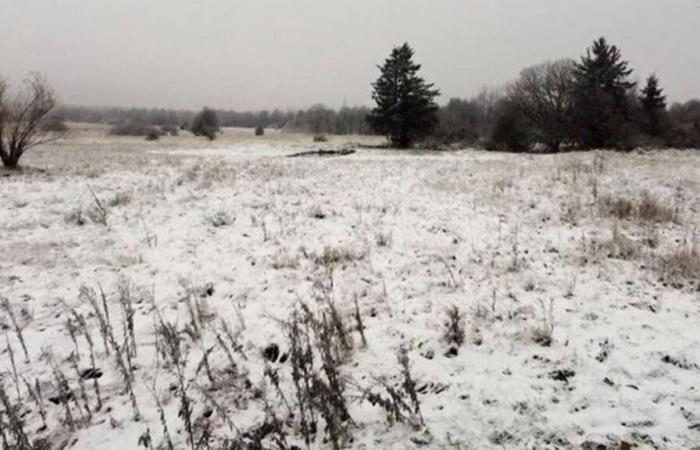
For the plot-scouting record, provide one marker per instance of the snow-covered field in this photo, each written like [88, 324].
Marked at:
[580, 312]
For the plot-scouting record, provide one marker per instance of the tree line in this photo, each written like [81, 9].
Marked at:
[315, 119]
[556, 105]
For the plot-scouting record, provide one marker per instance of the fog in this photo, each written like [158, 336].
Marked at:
[293, 53]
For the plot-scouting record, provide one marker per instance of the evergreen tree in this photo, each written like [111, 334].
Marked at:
[654, 105]
[405, 109]
[601, 87]
[206, 123]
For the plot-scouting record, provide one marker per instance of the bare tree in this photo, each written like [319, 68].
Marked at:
[22, 116]
[543, 96]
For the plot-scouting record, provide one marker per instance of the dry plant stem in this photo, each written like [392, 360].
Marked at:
[37, 398]
[301, 361]
[204, 363]
[189, 294]
[11, 354]
[229, 355]
[15, 424]
[337, 322]
[71, 331]
[125, 366]
[233, 340]
[273, 376]
[172, 343]
[360, 324]
[454, 283]
[35, 395]
[81, 384]
[408, 384]
[161, 413]
[64, 392]
[102, 212]
[220, 410]
[95, 378]
[5, 305]
[3, 427]
[81, 325]
[89, 296]
[128, 314]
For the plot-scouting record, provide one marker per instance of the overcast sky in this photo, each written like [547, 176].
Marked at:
[254, 54]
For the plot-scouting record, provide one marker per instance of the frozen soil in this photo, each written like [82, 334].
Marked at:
[571, 340]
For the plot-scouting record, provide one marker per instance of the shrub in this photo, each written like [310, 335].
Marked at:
[152, 134]
[320, 138]
[454, 327]
[260, 130]
[206, 123]
[509, 132]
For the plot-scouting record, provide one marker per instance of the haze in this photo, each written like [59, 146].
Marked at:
[256, 54]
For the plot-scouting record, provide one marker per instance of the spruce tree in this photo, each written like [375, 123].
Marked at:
[601, 88]
[654, 104]
[405, 109]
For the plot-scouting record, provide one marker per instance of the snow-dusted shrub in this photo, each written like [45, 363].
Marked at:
[383, 239]
[220, 219]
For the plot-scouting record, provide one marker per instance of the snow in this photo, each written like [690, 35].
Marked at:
[496, 220]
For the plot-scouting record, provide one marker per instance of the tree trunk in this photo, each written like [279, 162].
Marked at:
[10, 161]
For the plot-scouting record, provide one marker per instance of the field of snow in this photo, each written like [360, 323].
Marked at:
[574, 278]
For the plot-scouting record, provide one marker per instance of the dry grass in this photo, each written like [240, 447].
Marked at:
[383, 239]
[681, 263]
[618, 246]
[644, 208]
[285, 260]
[332, 256]
[650, 209]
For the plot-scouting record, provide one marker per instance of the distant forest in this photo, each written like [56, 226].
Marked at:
[464, 121]
[316, 119]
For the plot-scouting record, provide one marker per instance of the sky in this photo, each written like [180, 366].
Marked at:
[264, 54]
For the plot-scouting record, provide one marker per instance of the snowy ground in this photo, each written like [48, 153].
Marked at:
[519, 243]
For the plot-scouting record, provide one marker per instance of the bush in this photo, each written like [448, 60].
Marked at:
[509, 133]
[260, 130]
[206, 123]
[320, 138]
[152, 134]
